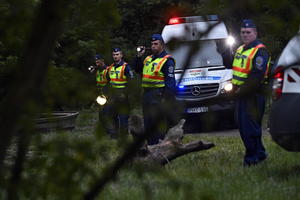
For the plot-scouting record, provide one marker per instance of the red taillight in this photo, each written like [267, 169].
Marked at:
[278, 83]
[176, 20]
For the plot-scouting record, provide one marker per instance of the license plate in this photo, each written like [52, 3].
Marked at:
[197, 109]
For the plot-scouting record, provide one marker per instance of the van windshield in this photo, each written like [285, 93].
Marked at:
[206, 53]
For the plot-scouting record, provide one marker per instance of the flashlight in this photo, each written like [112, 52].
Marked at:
[230, 41]
[139, 49]
[101, 100]
[91, 68]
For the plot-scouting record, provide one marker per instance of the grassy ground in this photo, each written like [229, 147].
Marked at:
[63, 165]
[216, 174]
[213, 174]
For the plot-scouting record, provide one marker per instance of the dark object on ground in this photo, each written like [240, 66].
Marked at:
[56, 121]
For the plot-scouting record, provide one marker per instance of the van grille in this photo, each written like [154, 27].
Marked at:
[198, 91]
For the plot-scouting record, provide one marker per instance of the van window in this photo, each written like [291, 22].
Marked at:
[208, 53]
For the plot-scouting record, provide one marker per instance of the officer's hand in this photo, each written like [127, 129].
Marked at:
[100, 91]
[140, 51]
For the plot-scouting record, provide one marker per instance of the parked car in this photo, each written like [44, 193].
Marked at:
[285, 110]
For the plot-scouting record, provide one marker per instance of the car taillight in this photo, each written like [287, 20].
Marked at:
[176, 20]
[278, 83]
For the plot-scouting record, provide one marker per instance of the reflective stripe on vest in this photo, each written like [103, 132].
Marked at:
[101, 77]
[267, 72]
[117, 76]
[242, 63]
[152, 75]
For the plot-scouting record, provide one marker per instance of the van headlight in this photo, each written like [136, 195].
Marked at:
[227, 87]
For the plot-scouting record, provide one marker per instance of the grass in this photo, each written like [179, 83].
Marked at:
[216, 174]
[63, 166]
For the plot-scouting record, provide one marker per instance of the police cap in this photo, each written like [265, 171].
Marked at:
[157, 37]
[98, 57]
[116, 49]
[248, 23]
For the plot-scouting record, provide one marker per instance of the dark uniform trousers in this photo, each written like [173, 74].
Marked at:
[158, 113]
[117, 113]
[249, 112]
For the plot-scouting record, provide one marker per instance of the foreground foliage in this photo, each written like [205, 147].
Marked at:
[65, 164]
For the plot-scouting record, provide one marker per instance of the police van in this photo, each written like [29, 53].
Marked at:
[203, 52]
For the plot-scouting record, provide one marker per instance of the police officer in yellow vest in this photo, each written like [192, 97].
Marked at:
[119, 74]
[250, 69]
[102, 84]
[101, 73]
[158, 82]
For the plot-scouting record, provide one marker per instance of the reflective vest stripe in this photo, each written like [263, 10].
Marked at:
[117, 79]
[266, 75]
[153, 83]
[239, 78]
[160, 64]
[238, 69]
[101, 77]
[119, 84]
[250, 57]
[241, 71]
[101, 82]
[153, 77]
[122, 71]
[120, 81]
[249, 60]
[146, 59]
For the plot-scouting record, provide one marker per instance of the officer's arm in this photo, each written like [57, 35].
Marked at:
[129, 72]
[108, 79]
[256, 76]
[137, 65]
[170, 83]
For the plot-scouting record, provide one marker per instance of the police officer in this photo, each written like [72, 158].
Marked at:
[119, 74]
[102, 84]
[250, 70]
[158, 82]
[101, 72]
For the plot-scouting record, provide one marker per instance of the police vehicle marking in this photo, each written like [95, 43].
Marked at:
[198, 78]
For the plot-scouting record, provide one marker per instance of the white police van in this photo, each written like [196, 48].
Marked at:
[202, 49]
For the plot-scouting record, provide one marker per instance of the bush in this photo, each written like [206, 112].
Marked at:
[68, 88]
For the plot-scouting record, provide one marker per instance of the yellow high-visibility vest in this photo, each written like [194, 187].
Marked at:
[101, 79]
[117, 76]
[242, 64]
[152, 75]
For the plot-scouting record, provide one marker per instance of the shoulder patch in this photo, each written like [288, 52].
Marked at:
[171, 69]
[259, 61]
